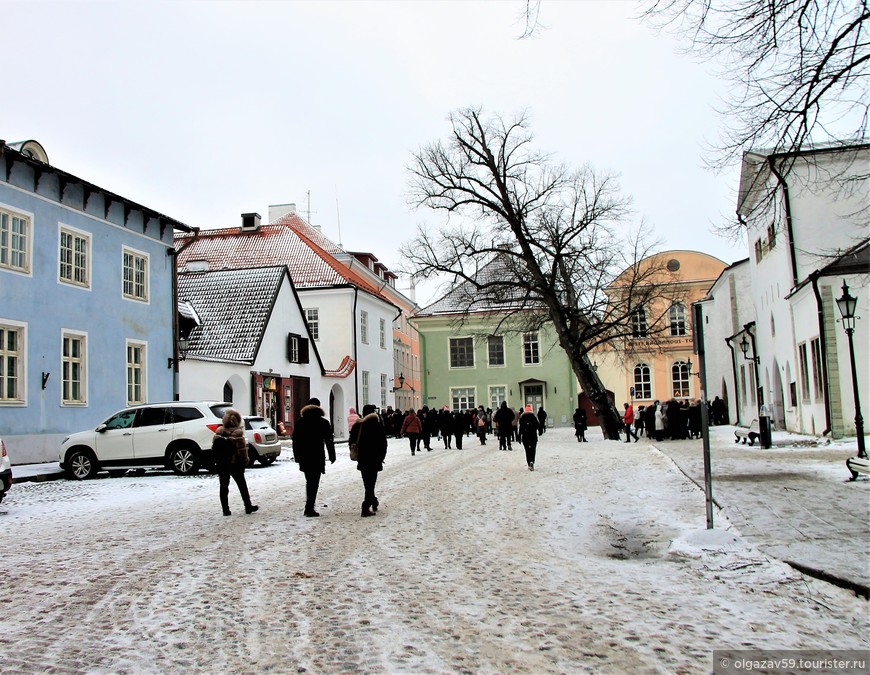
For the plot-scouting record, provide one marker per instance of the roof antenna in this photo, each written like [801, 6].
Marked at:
[338, 218]
[308, 211]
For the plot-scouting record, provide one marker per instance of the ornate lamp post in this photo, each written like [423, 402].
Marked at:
[847, 305]
[763, 419]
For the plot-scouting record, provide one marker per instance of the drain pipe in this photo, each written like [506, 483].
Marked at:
[734, 375]
[771, 162]
[174, 253]
[355, 352]
[814, 277]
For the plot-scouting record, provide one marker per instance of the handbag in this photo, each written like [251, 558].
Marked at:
[354, 447]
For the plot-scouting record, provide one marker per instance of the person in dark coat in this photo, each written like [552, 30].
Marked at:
[234, 465]
[480, 423]
[542, 420]
[312, 439]
[530, 429]
[504, 419]
[580, 425]
[649, 420]
[445, 426]
[371, 439]
[460, 427]
[430, 426]
[695, 419]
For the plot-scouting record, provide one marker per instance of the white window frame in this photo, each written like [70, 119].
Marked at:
[489, 362]
[642, 386]
[383, 390]
[144, 283]
[450, 342]
[293, 349]
[677, 320]
[312, 316]
[74, 265]
[383, 333]
[497, 394]
[19, 355]
[137, 392]
[532, 349]
[68, 362]
[818, 377]
[9, 237]
[364, 327]
[365, 387]
[467, 394]
[803, 364]
[678, 369]
[639, 323]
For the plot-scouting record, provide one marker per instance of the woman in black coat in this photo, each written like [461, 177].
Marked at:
[530, 429]
[580, 425]
[371, 439]
[232, 464]
[445, 426]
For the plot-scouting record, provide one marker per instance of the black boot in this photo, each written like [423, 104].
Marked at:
[366, 512]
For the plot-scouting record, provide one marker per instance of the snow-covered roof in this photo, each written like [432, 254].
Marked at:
[234, 307]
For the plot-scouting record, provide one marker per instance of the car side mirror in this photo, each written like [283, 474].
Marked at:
[100, 429]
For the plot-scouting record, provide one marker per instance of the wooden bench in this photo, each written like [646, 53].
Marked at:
[751, 433]
[858, 465]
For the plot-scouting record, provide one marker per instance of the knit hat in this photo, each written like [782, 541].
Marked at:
[314, 401]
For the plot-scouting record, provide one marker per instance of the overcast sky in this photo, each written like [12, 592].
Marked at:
[206, 110]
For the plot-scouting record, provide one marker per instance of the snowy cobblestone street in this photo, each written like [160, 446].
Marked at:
[598, 561]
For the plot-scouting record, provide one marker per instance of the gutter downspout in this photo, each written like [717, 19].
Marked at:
[174, 253]
[788, 221]
[814, 277]
[734, 375]
[355, 351]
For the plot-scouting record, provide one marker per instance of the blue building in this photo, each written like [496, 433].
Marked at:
[87, 308]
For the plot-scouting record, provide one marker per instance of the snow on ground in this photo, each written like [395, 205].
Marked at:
[598, 561]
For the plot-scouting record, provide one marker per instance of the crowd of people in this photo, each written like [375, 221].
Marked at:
[672, 419]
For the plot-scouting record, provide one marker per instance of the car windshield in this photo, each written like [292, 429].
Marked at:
[256, 423]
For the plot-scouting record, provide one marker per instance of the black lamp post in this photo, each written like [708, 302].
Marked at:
[401, 382]
[847, 305]
[763, 420]
[183, 345]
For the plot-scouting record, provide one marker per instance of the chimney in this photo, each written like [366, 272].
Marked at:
[278, 211]
[250, 222]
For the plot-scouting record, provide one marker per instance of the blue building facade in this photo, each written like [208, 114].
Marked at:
[87, 306]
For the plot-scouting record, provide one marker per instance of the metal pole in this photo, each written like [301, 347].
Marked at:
[859, 420]
[705, 423]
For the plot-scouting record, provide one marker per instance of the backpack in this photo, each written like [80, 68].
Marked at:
[223, 449]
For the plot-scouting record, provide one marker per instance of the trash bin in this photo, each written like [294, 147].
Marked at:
[764, 431]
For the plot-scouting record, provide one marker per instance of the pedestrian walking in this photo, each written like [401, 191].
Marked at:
[660, 420]
[580, 425]
[460, 428]
[230, 451]
[530, 429]
[628, 423]
[352, 417]
[542, 420]
[312, 440]
[371, 441]
[481, 422]
[412, 427]
[445, 426]
[504, 419]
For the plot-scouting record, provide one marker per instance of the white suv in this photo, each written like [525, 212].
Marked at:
[176, 435]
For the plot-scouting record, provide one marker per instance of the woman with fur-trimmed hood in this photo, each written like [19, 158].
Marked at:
[312, 439]
[371, 439]
[232, 464]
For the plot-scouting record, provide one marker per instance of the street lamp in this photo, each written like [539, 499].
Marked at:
[744, 347]
[401, 382]
[763, 419]
[183, 345]
[847, 305]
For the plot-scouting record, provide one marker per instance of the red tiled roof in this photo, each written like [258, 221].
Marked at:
[307, 252]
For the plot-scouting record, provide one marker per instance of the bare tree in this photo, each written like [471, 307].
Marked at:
[533, 241]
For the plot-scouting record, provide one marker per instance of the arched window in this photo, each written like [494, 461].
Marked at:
[638, 323]
[642, 382]
[680, 379]
[677, 316]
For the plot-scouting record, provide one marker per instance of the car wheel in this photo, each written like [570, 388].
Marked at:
[81, 465]
[267, 459]
[183, 461]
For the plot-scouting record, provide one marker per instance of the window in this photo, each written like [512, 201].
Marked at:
[743, 383]
[638, 323]
[642, 382]
[531, 352]
[73, 369]
[383, 390]
[680, 379]
[818, 379]
[297, 348]
[135, 275]
[495, 350]
[805, 373]
[382, 333]
[365, 387]
[312, 316]
[11, 363]
[75, 249]
[752, 388]
[364, 327]
[135, 373]
[461, 353]
[496, 396]
[462, 398]
[14, 241]
[677, 316]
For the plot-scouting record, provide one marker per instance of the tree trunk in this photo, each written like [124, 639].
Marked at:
[610, 419]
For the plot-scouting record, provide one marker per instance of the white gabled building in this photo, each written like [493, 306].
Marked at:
[806, 218]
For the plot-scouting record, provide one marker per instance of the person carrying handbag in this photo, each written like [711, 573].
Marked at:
[371, 441]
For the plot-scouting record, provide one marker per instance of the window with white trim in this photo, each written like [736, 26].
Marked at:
[495, 350]
[531, 349]
[365, 387]
[818, 379]
[364, 327]
[74, 257]
[135, 372]
[642, 382]
[680, 379]
[677, 317]
[803, 364]
[15, 236]
[462, 352]
[497, 394]
[74, 369]
[383, 333]
[383, 390]
[462, 398]
[135, 272]
[639, 328]
[11, 363]
[312, 316]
